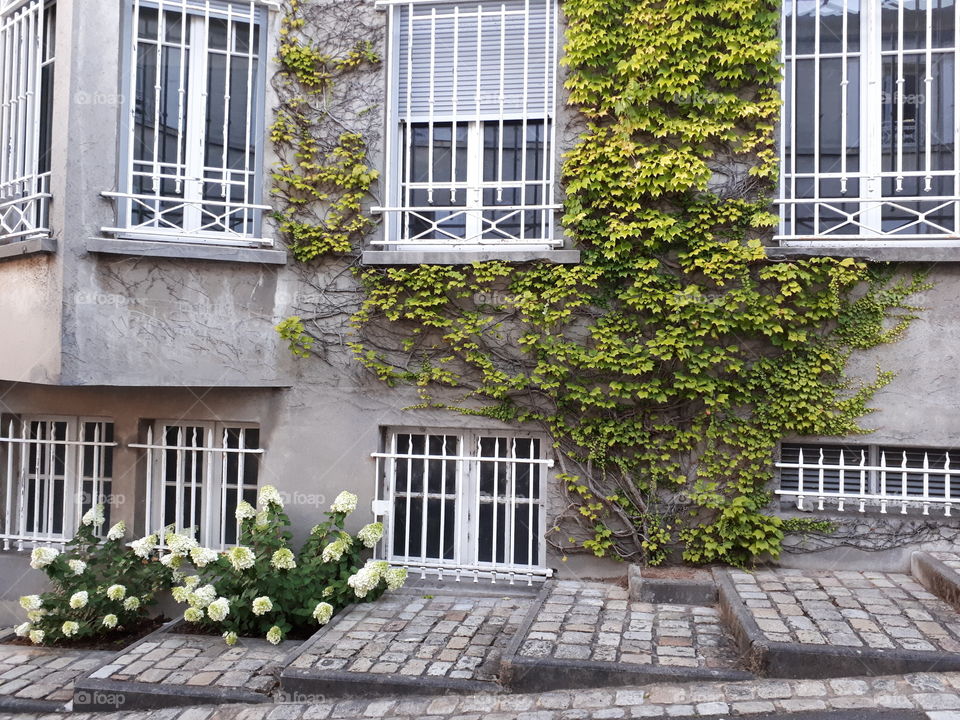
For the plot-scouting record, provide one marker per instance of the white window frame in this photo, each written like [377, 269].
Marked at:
[15, 448]
[27, 50]
[208, 480]
[871, 477]
[862, 215]
[399, 152]
[204, 221]
[463, 487]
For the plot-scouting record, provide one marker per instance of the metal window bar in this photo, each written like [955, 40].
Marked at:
[895, 179]
[26, 66]
[497, 77]
[427, 483]
[197, 466]
[903, 477]
[191, 165]
[47, 464]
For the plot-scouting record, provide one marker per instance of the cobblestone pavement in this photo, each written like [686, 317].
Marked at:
[596, 621]
[937, 694]
[200, 661]
[847, 608]
[30, 673]
[443, 635]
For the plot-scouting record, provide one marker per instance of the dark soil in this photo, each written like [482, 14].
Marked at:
[185, 628]
[117, 639]
[675, 573]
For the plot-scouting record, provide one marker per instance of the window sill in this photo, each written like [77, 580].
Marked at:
[919, 253]
[33, 246]
[221, 253]
[466, 257]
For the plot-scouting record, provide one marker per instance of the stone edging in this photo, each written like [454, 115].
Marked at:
[522, 674]
[799, 661]
[670, 591]
[937, 577]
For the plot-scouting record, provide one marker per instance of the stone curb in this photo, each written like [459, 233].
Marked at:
[937, 577]
[799, 661]
[26, 705]
[520, 674]
[670, 591]
[91, 693]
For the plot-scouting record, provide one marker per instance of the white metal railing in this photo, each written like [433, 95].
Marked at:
[193, 149]
[26, 75]
[868, 134]
[901, 477]
[55, 469]
[196, 475]
[457, 515]
[471, 133]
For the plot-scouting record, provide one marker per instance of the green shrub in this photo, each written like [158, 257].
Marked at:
[99, 585]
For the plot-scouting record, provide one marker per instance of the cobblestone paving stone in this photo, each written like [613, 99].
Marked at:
[847, 608]
[200, 661]
[596, 621]
[412, 635]
[937, 694]
[44, 673]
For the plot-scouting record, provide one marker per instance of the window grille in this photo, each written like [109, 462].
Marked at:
[868, 476]
[471, 132]
[468, 505]
[27, 46]
[197, 473]
[55, 469]
[193, 153]
[869, 129]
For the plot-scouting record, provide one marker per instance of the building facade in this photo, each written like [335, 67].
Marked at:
[143, 270]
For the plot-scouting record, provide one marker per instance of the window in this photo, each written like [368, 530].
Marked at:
[470, 137]
[868, 476]
[54, 470]
[27, 32]
[869, 126]
[197, 473]
[463, 503]
[193, 153]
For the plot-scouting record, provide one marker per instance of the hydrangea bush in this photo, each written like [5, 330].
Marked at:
[98, 585]
[262, 588]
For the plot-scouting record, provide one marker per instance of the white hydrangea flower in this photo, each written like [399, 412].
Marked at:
[78, 566]
[94, 516]
[395, 578]
[262, 605]
[144, 546]
[180, 544]
[283, 560]
[242, 558]
[22, 630]
[219, 609]
[274, 635]
[31, 602]
[245, 511]
[131, 603]
[364, 580]
[36, 636]
[193, 614]
[335, 550]
[116, 592]
[230, 638]
[79, 599]
[42, 556]
[110, 621]
[328, 591]
[117, 531]
[180, 594]
[370, 534]
[202, 596]
[201, 556]
[172, 560]
[262, 520]
[70, 628]
[323, 612]
[36, 616]
[269, 495]
[345, 502]
[191, 581]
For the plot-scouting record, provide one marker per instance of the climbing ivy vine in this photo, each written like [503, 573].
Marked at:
[669, 362]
